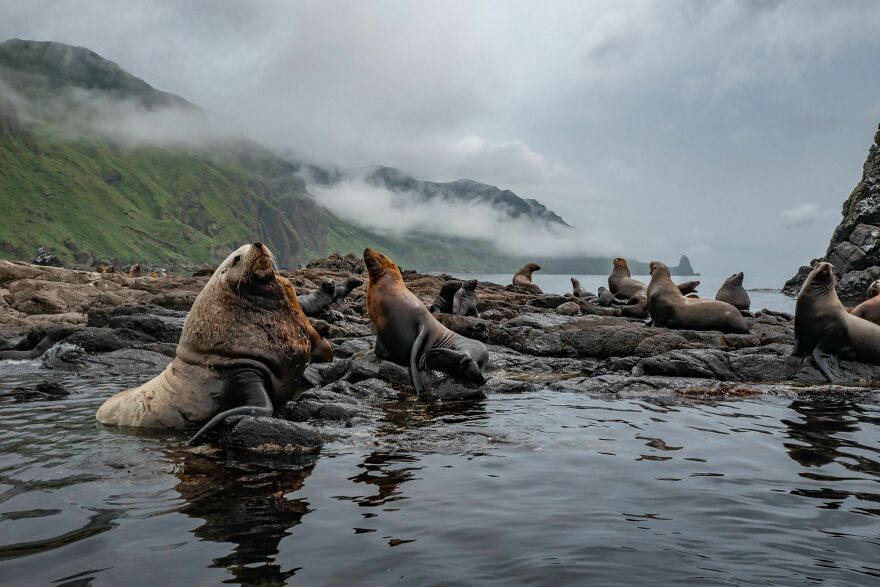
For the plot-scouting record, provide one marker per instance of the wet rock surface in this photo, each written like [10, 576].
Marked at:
[107, 324]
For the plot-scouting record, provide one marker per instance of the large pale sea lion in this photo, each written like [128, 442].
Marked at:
[733, 292]
[409, 335]
[824, 329]
[243, 347]
[870, 308]
[464, 302]
[523, 278]
[669, 308]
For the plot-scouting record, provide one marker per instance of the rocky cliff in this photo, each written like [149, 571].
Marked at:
[854, 249]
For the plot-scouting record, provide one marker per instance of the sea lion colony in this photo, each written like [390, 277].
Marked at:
[247, 338]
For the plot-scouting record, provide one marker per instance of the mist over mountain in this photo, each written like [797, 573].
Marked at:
[101, 166]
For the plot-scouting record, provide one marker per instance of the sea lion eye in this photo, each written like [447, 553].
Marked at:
[235, 260]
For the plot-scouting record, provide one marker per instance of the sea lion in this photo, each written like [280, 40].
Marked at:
[409, 335]
[568, 309]
[443, 301]
[321, 351]
[870, 308]
[316, 303]
[105, 268]
[243, 347]
[345, 287]
[636, 306]
[688, 287]
[464, 302]
[824, 329]
[621, 283]
[44, 341]
[606, 298]
[578, 291]
[733, 292]
[671, 309]
[465, 325]
[523, 278]
[135, 271]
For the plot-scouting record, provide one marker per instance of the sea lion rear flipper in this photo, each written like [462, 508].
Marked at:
[829, 365]
[456, 363]
[249, 383]
[414, 362]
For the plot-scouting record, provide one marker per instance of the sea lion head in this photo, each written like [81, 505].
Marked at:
[658, 270]
[601, 289]
[248, 270]
[821, 279]
[735, 279]
[575, 283]
[379, 265]
[620, 262]
[470, 285]
[874, 289]
[328, 287]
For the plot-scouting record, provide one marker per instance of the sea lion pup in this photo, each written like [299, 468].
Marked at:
[135, 271]
[464, 302]
[733, 292]
[688, 287]
[442, 303]
[621, 284]
[243, 347]
[606, 298]
[523, 278]
[465, 325]
[823, 327]
[345, 287]
[671, 309]
[316, 303]
[870, 308]
[409, 335]
[578, 291]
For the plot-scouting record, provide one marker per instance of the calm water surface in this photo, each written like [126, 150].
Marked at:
[540, 488]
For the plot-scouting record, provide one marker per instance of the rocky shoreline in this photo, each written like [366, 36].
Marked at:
[98, 323]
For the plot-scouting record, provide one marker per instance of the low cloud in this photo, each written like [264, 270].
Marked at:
[399, 213]
[806, 214]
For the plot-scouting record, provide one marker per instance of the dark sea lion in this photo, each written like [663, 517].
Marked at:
[46, 340]
[636, 306]
[243, 347]
[578, 291]
[345, 287]
[464, 302]
[824, 329]
[316, 303]
[465, 325]
[409, 335]
[523, 278]
[733, 292]
[443, 301]
[621, 284]
[606, 298]
[870, 309]
[688, 287]
[671, 309]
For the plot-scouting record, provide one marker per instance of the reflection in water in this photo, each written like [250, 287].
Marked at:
[246, 504]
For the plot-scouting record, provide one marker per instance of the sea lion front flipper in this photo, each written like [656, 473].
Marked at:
[249, 383]
[829, 365]
[414, 355]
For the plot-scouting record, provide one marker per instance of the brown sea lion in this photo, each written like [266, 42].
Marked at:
[523, 278]
[243, 347]
[442, 303]
[733, 292]
[409, 335]
[824, 329]
[464, 302]
[870, 308]
[621, 283]
[671, 309]
[135, 271]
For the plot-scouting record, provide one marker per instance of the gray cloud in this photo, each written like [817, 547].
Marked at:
[641, 121]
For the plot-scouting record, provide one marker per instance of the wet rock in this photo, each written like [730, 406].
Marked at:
[267, 435]
[453, 391]
[350, 347]
[42, 391]
[320, 374]
[504, 385]
[158, 323]
[103, 340]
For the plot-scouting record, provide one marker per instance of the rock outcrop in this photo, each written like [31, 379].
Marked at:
[854, 249]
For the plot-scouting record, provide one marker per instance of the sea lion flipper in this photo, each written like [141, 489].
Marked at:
[829, 365]
[249, 383]
[457, 363]
[414, 356]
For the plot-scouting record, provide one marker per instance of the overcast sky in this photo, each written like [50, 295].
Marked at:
[731, 131]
